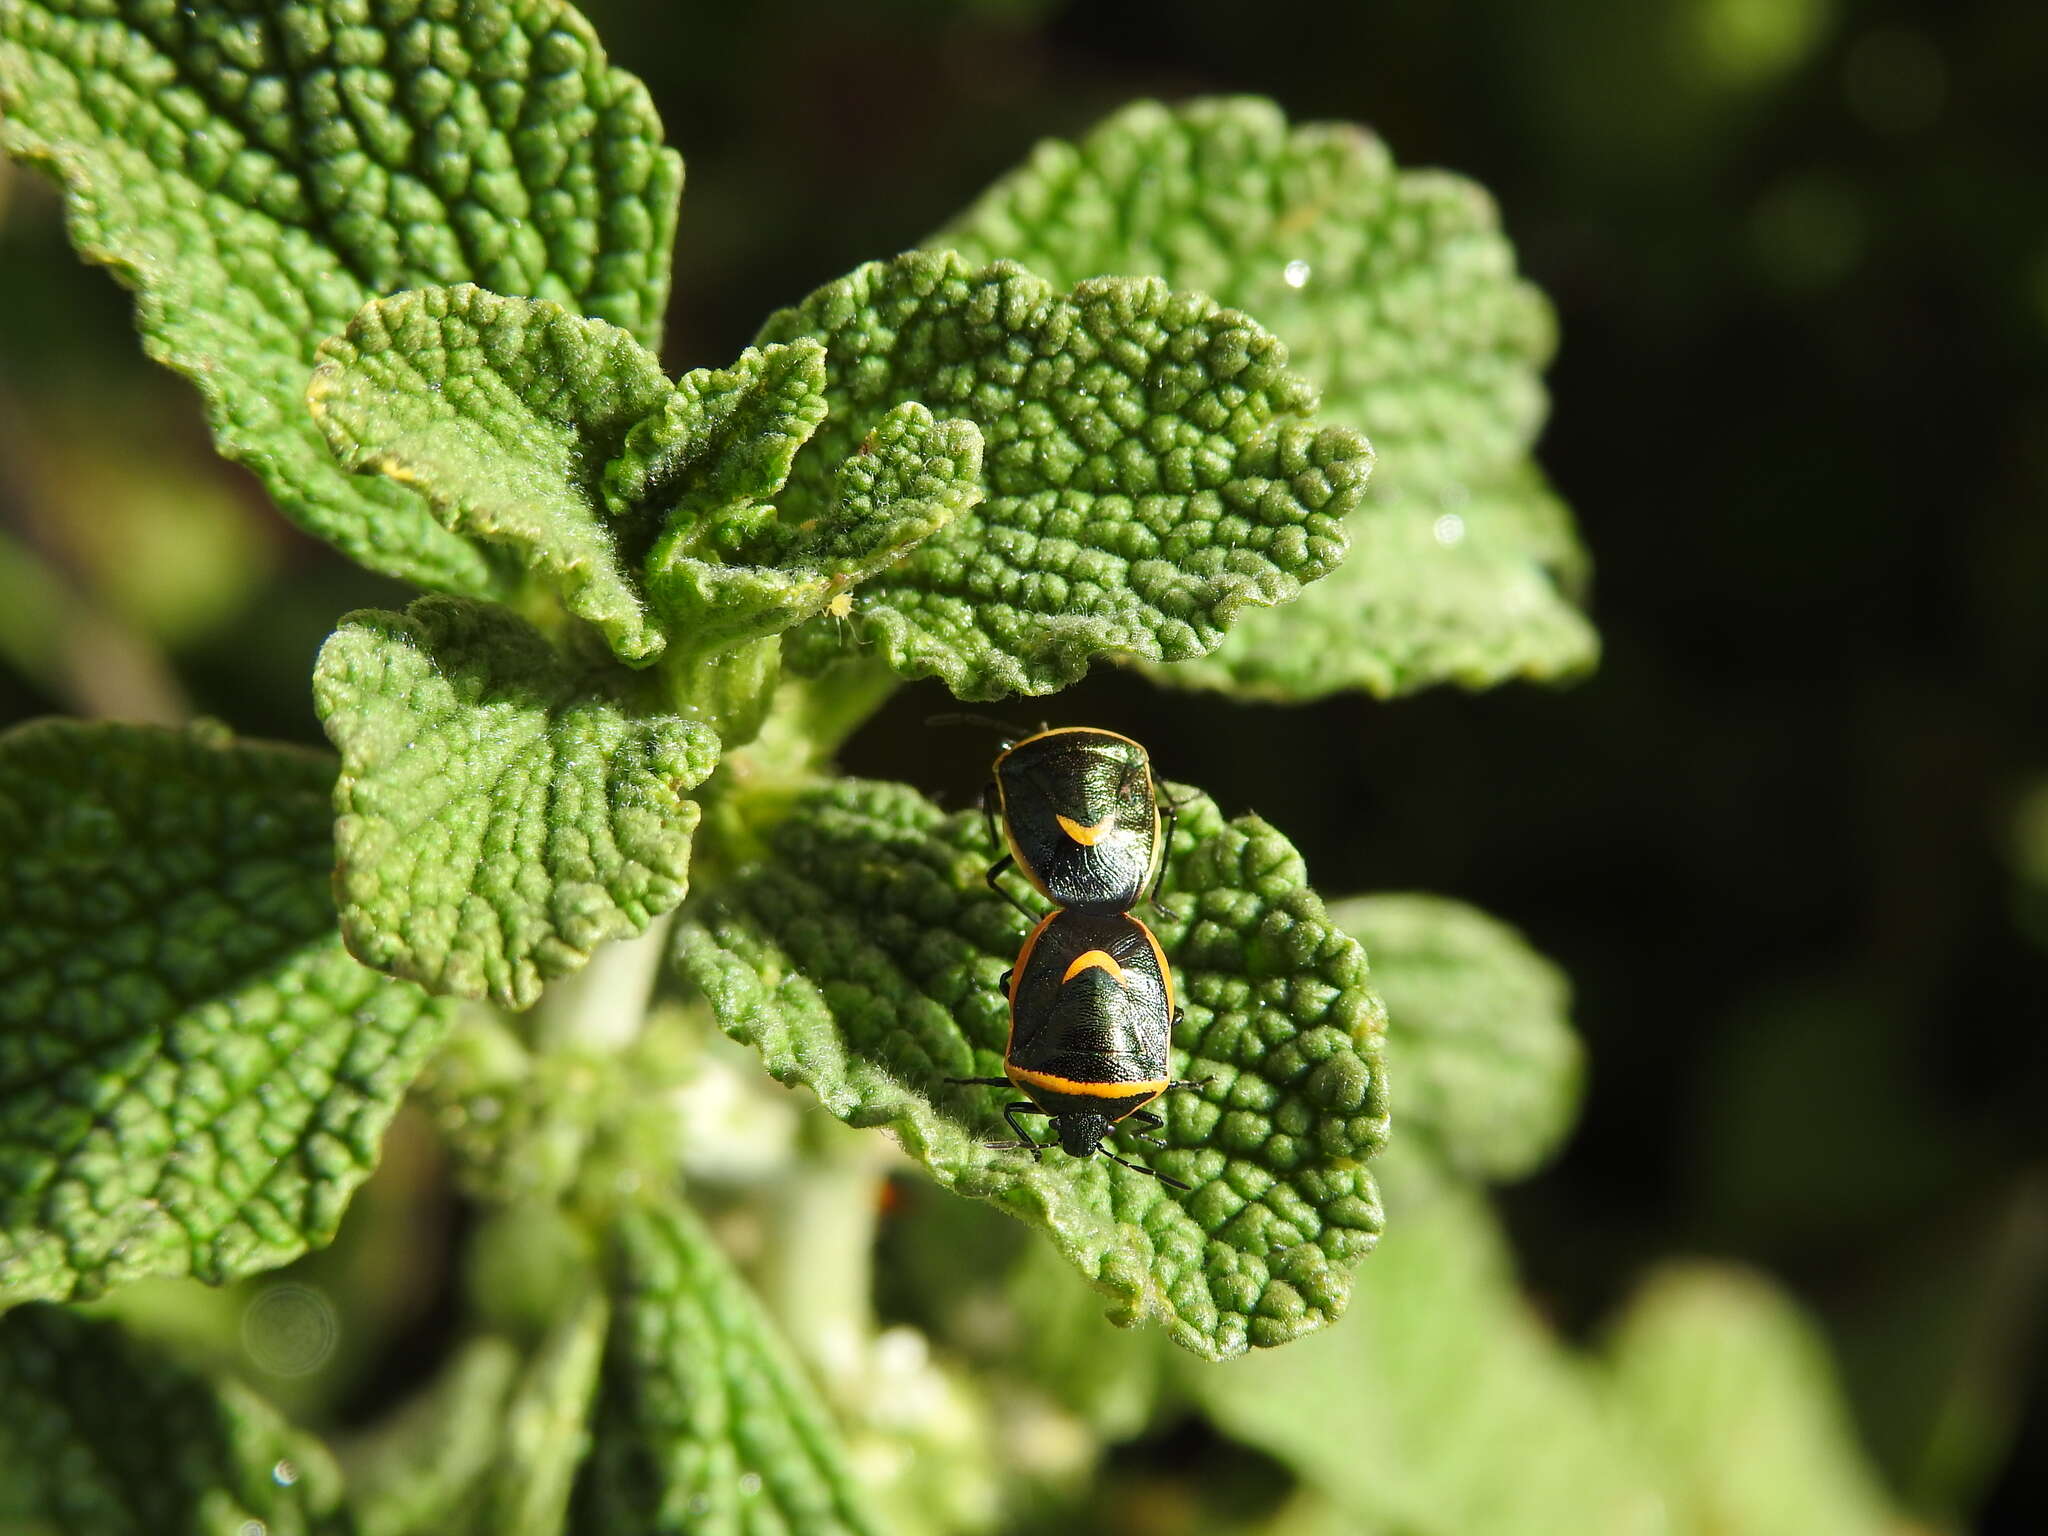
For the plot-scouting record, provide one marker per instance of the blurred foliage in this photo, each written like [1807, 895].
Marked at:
[1798, 255]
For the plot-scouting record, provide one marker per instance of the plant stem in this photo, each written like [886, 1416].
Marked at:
[730, 690]
[817, 1270]
[600, 1009]
[814, 715]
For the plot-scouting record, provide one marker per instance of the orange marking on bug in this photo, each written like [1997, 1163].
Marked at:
[1096, 960]
[1088, 837]
[1025, 1078]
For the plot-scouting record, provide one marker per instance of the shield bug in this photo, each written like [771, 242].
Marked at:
[1092, 1013]
[1077, 813]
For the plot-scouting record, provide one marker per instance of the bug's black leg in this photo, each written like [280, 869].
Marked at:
[996, 869]
[979, 1082]
[1024, 1137]
[1150, 1173]
[1151, 1120]
[1179, 1017]
[1169, 818]
[988, 813]
[1003, 982]
[1189, 1082]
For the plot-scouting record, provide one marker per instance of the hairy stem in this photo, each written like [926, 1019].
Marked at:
[601, 1007]
[817, 1271]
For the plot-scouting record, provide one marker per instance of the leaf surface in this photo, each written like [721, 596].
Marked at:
[1479, 1037]
[102, 1437]
[647, 507]
[194, 1075]
[503, 413]
[258, 170]
[1152, 466]
[1438, 1405]
[862, 960]
[909, 477]
[704, 1420]
[547, 1427]
[1730, 1392]
[420, 1468]
[1465, 592]
[500, 813]
[1396, 293]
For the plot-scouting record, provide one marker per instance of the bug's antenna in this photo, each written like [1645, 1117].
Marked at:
[1152, 1173]
[1008, 732]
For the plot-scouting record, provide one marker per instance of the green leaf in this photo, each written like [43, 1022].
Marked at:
[1397, 294]
[547, 1427]
[194, 1076]
[259, 172]
[704, 1420]
[503, 413]
[910, 477]
[103, 1438]
[500, 813]
[861, 959]
[1464, 590]
[1731, 1394]
[1438, 1406]
[1478, 1033]
[419, 1469]
[720, 445]
[1150, 464]
[644, 506]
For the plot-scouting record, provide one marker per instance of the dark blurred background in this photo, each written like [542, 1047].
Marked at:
[1800, 255]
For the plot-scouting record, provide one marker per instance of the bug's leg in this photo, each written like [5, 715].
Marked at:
[1003, 981]
[1149, 1119]
[1024, 1137]
[1150, 1173]
[1169, 818]
[996, 869]
[988, 813]
[979, 1082]
[1189, 1082]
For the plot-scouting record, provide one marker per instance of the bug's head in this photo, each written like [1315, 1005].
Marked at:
[1079, 1133]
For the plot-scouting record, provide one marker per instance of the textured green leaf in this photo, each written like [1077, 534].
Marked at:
[646, 507]
[194, 1076]
[1464, 590]
[1150, 463]
[258, 170]
[909, 477]
[420, 1469]
[704, 1420]
[500, 814]
[503, 413]
[1478, 1034]
[547, 1427]
[1730, 1392]
[1396, 293]
[720, 446]
[1438, 1406]
[861, 959]
[100, 1437]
